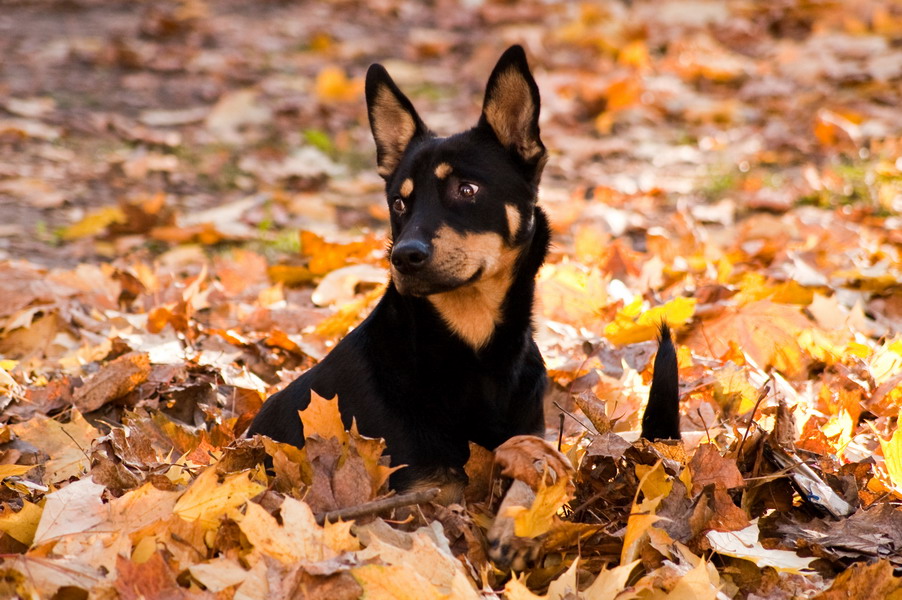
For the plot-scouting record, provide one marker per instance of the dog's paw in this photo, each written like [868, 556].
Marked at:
[507, 550]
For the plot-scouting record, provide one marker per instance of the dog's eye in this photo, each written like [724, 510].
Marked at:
[468, 190]
[399, 206]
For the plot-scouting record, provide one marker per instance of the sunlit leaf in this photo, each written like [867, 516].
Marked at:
[206, 500]
[630, 325]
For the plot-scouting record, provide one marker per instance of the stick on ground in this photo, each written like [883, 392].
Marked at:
[378, 506]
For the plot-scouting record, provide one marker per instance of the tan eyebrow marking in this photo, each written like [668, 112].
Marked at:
[443, 170]
[407, 188]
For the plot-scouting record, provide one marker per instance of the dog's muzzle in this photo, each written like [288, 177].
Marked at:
[410, 256]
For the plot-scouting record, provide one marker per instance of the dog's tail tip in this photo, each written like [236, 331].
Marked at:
[662, 413]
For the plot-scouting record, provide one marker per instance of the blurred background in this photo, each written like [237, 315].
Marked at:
[140, 126]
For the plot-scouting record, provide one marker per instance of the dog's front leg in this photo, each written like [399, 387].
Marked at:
[506, 549]
[532, 463]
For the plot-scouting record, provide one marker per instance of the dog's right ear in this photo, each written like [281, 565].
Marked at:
[392, 118]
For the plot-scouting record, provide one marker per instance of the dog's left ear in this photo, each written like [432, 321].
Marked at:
[511, 107]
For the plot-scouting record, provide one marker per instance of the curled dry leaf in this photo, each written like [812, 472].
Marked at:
[113, 381]
[533, 460]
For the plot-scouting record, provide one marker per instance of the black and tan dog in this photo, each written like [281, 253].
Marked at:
[447, 356]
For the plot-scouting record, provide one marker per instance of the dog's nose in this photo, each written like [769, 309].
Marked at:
[410, 255]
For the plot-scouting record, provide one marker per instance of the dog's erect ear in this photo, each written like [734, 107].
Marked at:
[392, 118]
[511, 106]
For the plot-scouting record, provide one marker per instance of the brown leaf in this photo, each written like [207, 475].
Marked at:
[708, 466]
[594, 409]
[533, 461]
[863, 582]
[479, 470]
[150, 579]
[351, 483]
[608, 444]
[113, 381]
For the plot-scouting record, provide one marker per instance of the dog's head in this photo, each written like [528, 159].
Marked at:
[462, 207]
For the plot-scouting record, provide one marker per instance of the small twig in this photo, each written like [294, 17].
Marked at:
[590, 501]
[704, 423]
[572, 416]
[560, 433]
[761, 396]
[378, 506]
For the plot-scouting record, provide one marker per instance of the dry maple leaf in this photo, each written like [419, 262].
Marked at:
[766, 331]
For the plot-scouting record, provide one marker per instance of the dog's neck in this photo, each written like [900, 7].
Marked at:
[474, 312]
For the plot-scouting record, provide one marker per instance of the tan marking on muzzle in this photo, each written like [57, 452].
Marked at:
[473, 310]
[407, 188]
[443, 170]
[513, 219]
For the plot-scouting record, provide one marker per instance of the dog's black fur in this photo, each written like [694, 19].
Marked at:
[447, 356]
[661, 420]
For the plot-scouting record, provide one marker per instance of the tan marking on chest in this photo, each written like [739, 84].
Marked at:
[443, 170]
[472, 311]
[407, 188]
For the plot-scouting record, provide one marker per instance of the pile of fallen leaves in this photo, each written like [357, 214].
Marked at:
[192, 220]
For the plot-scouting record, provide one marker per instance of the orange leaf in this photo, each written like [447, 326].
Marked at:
[322, 418]
[766, 331]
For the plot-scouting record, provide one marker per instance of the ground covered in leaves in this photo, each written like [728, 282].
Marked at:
[192, 218]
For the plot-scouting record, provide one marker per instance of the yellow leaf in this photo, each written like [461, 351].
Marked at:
[655, 482]
[348, 315]
[299, 538]
[886, 362]
[635, 54]
[337, 536]
[290, 275]
[94, 223]
[538, 518]
[892, 454]
[629, 327]
[840, 426]
[395, 582]
[697, 584]
[434, 562]
[610, 583]
[571, 294]
[564, 586]
[67, 444]
[207, 499]
[516, 589]
[322, 418]
[23, 524]
[642, 516]
[732, 389]
[14, 470]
